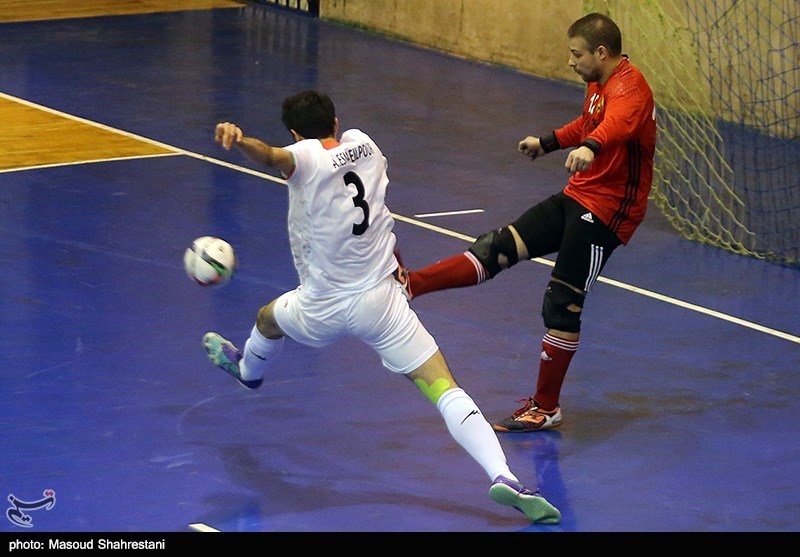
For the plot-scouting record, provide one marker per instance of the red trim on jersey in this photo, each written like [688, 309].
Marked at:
[329, 143]
[620, 117]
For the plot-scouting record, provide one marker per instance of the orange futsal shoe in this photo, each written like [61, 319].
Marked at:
[529, 418]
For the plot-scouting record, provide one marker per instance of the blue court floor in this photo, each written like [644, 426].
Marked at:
[680, 408]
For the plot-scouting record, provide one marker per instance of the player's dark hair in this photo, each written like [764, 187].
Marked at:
[310, 113]
[597, 29]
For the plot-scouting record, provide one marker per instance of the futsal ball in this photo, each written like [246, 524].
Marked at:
[210, 261]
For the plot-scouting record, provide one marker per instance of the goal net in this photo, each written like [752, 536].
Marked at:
[726, 79]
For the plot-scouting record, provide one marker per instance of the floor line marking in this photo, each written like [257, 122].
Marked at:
[200, 527]
[624, 286]
[612, 282]
[91, 161]
[448, 213]
[175, 150]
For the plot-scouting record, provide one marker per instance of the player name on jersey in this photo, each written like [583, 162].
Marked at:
[351, 155]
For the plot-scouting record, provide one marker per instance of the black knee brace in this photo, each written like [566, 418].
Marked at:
[490, 246]
[554, 309]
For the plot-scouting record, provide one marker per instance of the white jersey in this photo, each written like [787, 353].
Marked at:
[340, 230]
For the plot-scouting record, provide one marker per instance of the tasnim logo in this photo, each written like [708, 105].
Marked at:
[16, 515]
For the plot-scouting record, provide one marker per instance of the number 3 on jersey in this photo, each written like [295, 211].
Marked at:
[358, 201]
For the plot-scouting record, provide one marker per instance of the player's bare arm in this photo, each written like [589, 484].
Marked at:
[230, 135]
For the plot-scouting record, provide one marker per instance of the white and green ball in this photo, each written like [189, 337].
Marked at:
[210, 261]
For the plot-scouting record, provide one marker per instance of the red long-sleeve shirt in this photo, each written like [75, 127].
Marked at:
[620, 116]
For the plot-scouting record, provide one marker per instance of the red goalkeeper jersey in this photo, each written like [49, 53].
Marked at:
[620, 117]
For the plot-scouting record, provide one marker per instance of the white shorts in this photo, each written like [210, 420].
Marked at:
[381, 317]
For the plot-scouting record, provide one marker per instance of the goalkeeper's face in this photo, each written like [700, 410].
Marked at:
[584, 62]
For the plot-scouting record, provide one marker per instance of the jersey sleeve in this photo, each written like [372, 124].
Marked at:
[570, 134]
[303, 162]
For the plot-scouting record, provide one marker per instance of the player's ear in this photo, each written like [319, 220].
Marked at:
[336, 126]
[296, 136]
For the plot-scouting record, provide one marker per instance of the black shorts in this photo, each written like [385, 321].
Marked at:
[583, 243]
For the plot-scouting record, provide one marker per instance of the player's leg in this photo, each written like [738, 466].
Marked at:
[491, 253]
[384, 320]
[469, 428]
[484, 259]
[463, 418]
[265, 341]
[561, 311]
[585, 249]
[561, 308]
[248, 367]
[304, 319]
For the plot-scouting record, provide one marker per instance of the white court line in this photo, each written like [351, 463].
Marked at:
[200, 527]
[448, 213]
[91, 161]
[175, 150]
[635, 289]
[624, 286]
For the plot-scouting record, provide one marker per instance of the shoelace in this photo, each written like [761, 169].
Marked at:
[528, 405]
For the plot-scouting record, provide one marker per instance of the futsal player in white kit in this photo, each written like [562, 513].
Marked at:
[342, 243]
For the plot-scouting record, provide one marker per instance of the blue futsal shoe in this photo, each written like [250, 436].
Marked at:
[224, 354]
[508, 492]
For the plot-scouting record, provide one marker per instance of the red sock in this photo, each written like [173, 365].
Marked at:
[556, 356]
[455, 272]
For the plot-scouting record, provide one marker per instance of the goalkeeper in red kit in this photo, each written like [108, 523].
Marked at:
[612, 144]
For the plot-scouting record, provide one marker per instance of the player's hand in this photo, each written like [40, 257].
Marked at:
[227, 135]
[579, 159]
[531, 147]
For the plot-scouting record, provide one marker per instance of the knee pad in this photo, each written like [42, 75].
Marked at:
[554, 309]
[490, 246]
